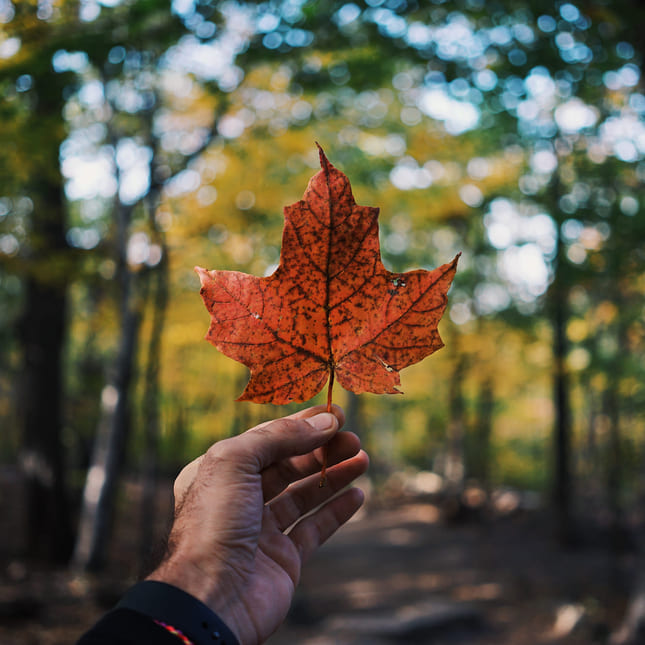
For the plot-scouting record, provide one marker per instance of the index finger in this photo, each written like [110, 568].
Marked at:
[261, 446]
[284, 438]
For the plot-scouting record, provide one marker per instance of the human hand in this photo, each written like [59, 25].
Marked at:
[229, 547]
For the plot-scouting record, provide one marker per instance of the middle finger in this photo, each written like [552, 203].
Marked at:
[305, 495]
[278, 476]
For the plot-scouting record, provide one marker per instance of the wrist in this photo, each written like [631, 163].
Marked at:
[214, 590]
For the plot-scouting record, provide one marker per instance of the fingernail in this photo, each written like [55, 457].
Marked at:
[322, 422]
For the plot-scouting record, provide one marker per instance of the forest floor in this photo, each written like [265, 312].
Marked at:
[403, 571]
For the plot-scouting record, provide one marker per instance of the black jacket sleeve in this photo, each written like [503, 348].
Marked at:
[133, 619]
[127, 627]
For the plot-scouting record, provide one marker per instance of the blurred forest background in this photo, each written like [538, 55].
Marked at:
[139, 138]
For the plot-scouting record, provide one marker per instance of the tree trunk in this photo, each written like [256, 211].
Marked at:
[101, 483]
[159, 300]
[48, 530]
[483, 430]
[42, 335]
[614, 464]
[109, 450]
[590, 448]
[612, 403]
[562, 480]
[454, 469]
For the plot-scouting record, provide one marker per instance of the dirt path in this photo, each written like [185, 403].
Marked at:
[401, 576]
[397, 574]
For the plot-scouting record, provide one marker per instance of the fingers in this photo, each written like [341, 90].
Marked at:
[264, 445]
[278, 476]
[260, 447]
[305, 495]
[312, 531]
[336, 410]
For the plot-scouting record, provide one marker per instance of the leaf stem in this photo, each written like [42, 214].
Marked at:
[330, 388]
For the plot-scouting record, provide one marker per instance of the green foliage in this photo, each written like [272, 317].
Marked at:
[450, 116]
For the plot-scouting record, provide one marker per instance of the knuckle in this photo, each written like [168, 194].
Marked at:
[268, 435]
[221, 450]
[218, 455]
[278, 426]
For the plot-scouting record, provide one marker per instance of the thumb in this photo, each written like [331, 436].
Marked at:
[263, 445]
[273, 441]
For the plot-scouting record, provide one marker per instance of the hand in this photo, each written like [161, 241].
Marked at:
[229, 545]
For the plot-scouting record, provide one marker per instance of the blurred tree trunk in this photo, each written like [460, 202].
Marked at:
[562, 429]
[614, 462]
[454, 469]
[49, 532]
[178, 437]
[109, 445]
[590, 446]
[483, 430]
[42, 335]
[100, 489]
[151, 423]
[109, 449]
[158, 297]
[612, 400]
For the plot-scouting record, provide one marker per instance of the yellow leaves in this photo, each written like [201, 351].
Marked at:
[577, 330]
[413, 438]
[578, 359]
[606, 312]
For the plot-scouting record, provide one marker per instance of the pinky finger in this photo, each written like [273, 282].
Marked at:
[314, 529]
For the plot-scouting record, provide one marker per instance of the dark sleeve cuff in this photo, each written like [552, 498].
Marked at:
[126, 627]
[173, 606]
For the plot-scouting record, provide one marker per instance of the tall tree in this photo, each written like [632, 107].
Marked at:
[34, 120]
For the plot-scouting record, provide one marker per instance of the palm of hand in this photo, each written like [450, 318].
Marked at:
[265, 561]
[245, 519]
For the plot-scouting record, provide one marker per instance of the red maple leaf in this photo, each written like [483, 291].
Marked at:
[331, 309]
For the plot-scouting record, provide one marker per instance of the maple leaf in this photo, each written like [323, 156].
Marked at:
[331, 309]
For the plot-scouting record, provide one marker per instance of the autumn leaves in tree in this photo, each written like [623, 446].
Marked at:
[330, 311]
